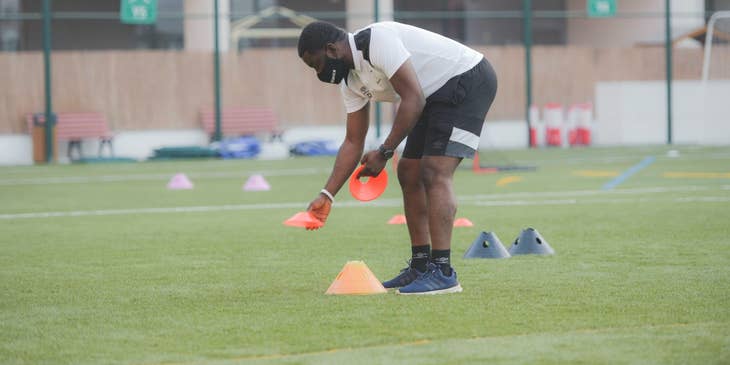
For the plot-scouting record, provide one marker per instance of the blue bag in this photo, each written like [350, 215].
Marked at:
[315, 148]
[240, 147]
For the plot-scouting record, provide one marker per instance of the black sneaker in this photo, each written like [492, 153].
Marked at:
[406, 276]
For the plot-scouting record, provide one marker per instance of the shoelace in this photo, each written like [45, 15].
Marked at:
[408, 266]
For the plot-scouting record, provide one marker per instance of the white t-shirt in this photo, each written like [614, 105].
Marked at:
[387, 45]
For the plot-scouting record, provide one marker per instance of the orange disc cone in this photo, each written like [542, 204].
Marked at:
[397, 219]
[304, 219]
[371, 188]
[463, 222]
[355, 279]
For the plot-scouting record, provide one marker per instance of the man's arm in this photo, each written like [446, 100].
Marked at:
[345, 162]
[405, 82]
[350, 150]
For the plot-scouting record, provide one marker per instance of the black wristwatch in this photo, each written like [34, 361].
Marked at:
[387, 153]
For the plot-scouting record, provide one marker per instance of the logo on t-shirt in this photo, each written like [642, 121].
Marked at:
[367, 92]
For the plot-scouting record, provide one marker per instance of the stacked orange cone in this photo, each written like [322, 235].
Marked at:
[463, 222]
[355, 279]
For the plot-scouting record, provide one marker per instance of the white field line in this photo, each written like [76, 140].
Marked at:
[619, 158]
[198, 209]
[577, 193]
[506, 203]
[492, 200]
[704, 199]
[153, 177]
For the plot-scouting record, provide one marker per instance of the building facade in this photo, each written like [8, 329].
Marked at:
[187, 24]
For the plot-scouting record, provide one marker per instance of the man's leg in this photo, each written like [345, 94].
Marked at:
[416, 209]
[437, 174]
[454, 126]
[414, 200]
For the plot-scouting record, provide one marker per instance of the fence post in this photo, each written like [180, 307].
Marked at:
[527, 39]
[47, 74]
[668, 49]
[216, 74]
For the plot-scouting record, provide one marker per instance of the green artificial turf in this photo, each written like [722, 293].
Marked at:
[98, 267]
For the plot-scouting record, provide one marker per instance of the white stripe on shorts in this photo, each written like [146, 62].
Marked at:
[464, 137]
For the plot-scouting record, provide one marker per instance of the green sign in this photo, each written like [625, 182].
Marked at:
[601, 8]
[138, 11]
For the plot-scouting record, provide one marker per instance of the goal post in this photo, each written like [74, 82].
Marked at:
[718, 30]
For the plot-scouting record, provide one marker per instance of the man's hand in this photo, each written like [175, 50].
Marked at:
[320, 208]
[374, 163]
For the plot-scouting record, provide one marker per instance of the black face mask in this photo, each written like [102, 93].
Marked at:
[334, 71]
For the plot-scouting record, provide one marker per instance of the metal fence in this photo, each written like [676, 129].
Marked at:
[152, 76]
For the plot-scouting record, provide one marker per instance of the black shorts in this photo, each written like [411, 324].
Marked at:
[451, 121]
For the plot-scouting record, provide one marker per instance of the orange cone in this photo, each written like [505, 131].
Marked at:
[355, 279]
[370, 188]
[304, 219]
[463, 222]
[397, 219]
[478, 169]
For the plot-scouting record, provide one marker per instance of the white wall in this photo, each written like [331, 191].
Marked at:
[503, 134]
[627, 113]
[631, 113]
[199, 28]
[141, 144]
[17, 149]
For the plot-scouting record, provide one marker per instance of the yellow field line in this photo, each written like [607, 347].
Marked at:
[508, 180]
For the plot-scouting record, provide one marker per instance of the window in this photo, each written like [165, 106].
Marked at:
[94, 25]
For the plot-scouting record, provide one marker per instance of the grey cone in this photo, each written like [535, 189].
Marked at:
[530, 243]
[487, 246]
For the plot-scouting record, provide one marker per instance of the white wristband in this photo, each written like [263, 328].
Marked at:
[328, 194]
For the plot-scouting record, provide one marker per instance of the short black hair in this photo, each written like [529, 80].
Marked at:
[317, 34]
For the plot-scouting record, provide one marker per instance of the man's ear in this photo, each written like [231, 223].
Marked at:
[330, 50]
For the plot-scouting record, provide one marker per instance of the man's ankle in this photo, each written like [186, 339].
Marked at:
[420, 257]
[442, 259]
